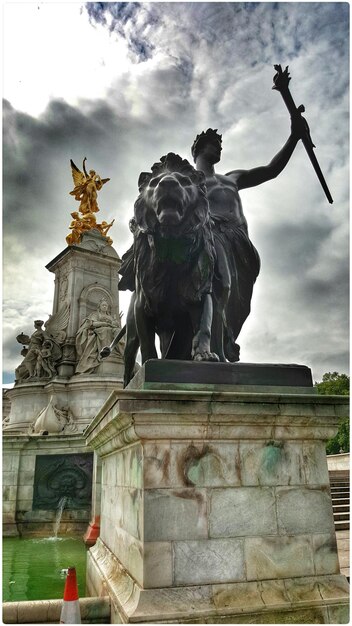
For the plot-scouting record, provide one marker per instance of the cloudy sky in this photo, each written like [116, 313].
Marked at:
[124, 83]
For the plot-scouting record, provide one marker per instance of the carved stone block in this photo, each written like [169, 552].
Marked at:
[63, 475]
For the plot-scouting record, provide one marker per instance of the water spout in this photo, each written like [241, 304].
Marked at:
[62, 503]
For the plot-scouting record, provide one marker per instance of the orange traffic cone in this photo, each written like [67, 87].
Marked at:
[70, 612]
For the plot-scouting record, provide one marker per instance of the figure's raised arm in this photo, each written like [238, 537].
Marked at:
[259, 175]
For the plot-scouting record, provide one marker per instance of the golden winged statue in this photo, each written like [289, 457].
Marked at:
[86, 186]
[85, 191]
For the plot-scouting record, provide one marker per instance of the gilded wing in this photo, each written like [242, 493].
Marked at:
[78, 176]
[57, 323]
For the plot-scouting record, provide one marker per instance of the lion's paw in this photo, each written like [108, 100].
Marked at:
[206, 356]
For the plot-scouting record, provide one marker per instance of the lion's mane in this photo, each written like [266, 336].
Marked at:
[181, 264]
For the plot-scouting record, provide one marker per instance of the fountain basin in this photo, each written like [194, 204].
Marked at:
[33, 569]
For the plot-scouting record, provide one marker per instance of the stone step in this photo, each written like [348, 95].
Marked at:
[333, 483]
[340, 497]
[342, 525]
[335, 503]
[341, 516]
[341, 508]
[337, 483]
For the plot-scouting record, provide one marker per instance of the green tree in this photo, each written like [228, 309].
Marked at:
[336, 384]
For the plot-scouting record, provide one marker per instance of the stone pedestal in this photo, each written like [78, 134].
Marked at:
[216, 507]
[84, 274]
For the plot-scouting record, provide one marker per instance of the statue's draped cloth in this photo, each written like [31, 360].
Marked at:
[244, 265]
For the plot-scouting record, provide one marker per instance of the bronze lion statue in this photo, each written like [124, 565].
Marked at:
[170, 266]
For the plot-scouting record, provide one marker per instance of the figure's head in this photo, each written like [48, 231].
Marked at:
[92, 173]
[103, 306]
[207, 143]
[38, 324]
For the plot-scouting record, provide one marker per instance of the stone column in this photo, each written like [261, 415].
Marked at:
[216, 507]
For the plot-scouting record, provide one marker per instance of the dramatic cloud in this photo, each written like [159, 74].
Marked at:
[124, 83]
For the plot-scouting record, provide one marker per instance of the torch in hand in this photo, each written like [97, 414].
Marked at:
[281, 82]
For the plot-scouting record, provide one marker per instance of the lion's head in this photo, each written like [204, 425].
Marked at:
[172, 197]
[172, 233]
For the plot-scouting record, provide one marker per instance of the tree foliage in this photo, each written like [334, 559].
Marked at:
[334, 384]
[337, 385]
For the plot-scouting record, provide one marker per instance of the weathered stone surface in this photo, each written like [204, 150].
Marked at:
[158, 567]
[273, 592]
[311, 615]
[93, 611]
[171, 514]
[325, 554]
[270, 601]
[186, 464]
[122, 507]
[9, 478]
[24, 493]
[237, 596]
[278, 557]
[303, 510]
[303, 589]
[242, 512]
[209, 561]
[333, 587]
[314, 463]
[271, 463]
[157, 465]
[339, 614]
[128, 550]
[208, 464]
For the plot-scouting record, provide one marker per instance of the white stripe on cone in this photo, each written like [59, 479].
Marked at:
[70, 612]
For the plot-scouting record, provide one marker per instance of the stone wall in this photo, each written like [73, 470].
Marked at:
[19, 462]
[339, 462]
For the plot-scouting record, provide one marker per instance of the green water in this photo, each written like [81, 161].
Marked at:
[32, 568]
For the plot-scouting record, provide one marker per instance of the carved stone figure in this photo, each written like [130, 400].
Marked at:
[57, 323]
[44, 349]
[173, 255]
[44, 366]
[95, 332]
[51, 420]
[27, 368]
